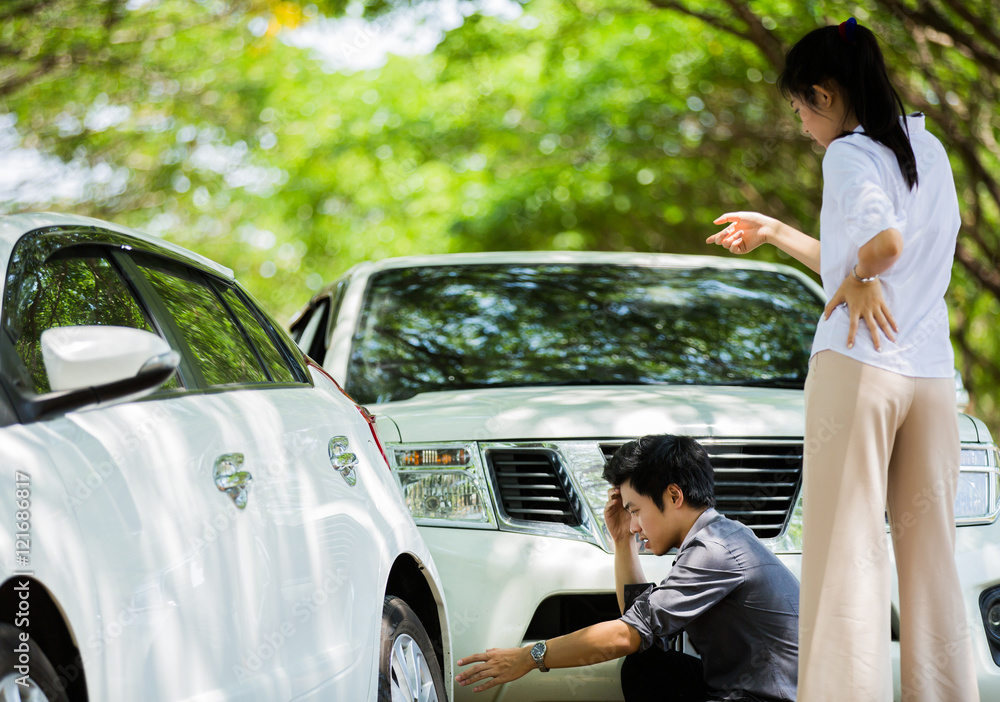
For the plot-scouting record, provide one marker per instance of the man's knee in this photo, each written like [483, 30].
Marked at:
[655, 674]
[634, 674]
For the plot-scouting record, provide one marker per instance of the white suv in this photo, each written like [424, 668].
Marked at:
[236, 534]
[503, 381]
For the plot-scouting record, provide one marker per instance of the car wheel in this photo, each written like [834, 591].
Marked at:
[26, 677]
[408, 670]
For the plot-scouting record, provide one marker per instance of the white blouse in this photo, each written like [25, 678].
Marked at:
[863, 194]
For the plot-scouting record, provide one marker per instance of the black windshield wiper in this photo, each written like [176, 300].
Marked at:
[552, 383]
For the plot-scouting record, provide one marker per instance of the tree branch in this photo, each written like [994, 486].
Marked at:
[31, 7]
[928, 16]
[988, 276]
[961, 336]
[711, 20]
[946, 117]
[764, 38]
[10, 84]
[982, 26]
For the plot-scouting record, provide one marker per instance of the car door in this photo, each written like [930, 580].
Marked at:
[180, 580]
[319, 453]
[317, 522]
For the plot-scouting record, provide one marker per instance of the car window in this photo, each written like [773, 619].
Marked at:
[475, 326]
[68, 291]
[223, 354]
[272, 357]
[310, 330]
[339, 291]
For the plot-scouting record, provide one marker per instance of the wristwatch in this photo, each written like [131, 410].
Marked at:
[538, 653]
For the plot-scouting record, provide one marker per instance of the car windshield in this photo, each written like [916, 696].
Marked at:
[429, 329]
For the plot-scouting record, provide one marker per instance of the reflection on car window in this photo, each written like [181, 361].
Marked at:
[310, 331]
[276, 364]
[451, 327]
[223, 354]
[67, 292]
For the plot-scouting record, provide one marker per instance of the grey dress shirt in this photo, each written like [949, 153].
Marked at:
[738, 604]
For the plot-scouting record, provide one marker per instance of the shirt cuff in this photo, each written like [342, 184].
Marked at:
[634, 592]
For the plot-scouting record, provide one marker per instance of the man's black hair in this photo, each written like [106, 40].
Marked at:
[651, 463]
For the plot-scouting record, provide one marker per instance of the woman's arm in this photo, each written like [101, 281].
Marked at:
[878, 255]
[865, 300]
[748, 230]
[799, 245]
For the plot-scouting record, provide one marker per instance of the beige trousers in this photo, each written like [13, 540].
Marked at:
[875, 440]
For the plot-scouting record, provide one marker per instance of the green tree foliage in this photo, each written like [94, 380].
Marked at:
[577, 125]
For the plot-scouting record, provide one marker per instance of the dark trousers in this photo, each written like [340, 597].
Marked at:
[656, 675]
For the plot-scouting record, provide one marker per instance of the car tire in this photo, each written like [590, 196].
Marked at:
[408, 670]
[41, 683]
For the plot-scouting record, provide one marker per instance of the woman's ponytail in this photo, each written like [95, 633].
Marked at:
[849, 55]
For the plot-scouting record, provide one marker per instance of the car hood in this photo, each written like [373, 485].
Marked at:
[620, 412]
[596, 412]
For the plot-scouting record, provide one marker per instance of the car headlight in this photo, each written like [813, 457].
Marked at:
[989, 609]
[978, 498]
[443, 484]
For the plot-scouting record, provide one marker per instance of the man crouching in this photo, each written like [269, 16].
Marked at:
[735, 600]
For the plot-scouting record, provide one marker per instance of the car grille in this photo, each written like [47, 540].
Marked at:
[755, 483]
[532, 486]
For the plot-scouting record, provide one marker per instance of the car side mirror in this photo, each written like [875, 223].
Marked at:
[99, 365]
[91, 356]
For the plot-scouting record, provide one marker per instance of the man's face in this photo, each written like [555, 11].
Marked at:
[660, 529]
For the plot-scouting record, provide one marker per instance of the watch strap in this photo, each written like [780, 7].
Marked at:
[538, 653]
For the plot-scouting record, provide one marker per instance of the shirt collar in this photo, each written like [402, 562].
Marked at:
[915, 121]
[706, 518]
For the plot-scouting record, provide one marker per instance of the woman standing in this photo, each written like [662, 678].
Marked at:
[880, 396]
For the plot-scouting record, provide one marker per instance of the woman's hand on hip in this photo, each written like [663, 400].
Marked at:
[746, 231]
[864, 301]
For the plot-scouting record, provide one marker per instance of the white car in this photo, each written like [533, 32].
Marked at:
[503, 381]
[189, 509]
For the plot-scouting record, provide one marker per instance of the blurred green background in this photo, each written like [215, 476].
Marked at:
[290, 140]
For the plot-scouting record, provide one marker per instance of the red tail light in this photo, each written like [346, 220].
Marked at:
[369, 417]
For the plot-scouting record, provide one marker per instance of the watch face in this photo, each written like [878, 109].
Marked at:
[538, 653]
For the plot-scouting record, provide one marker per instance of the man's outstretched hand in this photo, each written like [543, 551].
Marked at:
[500, 665]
